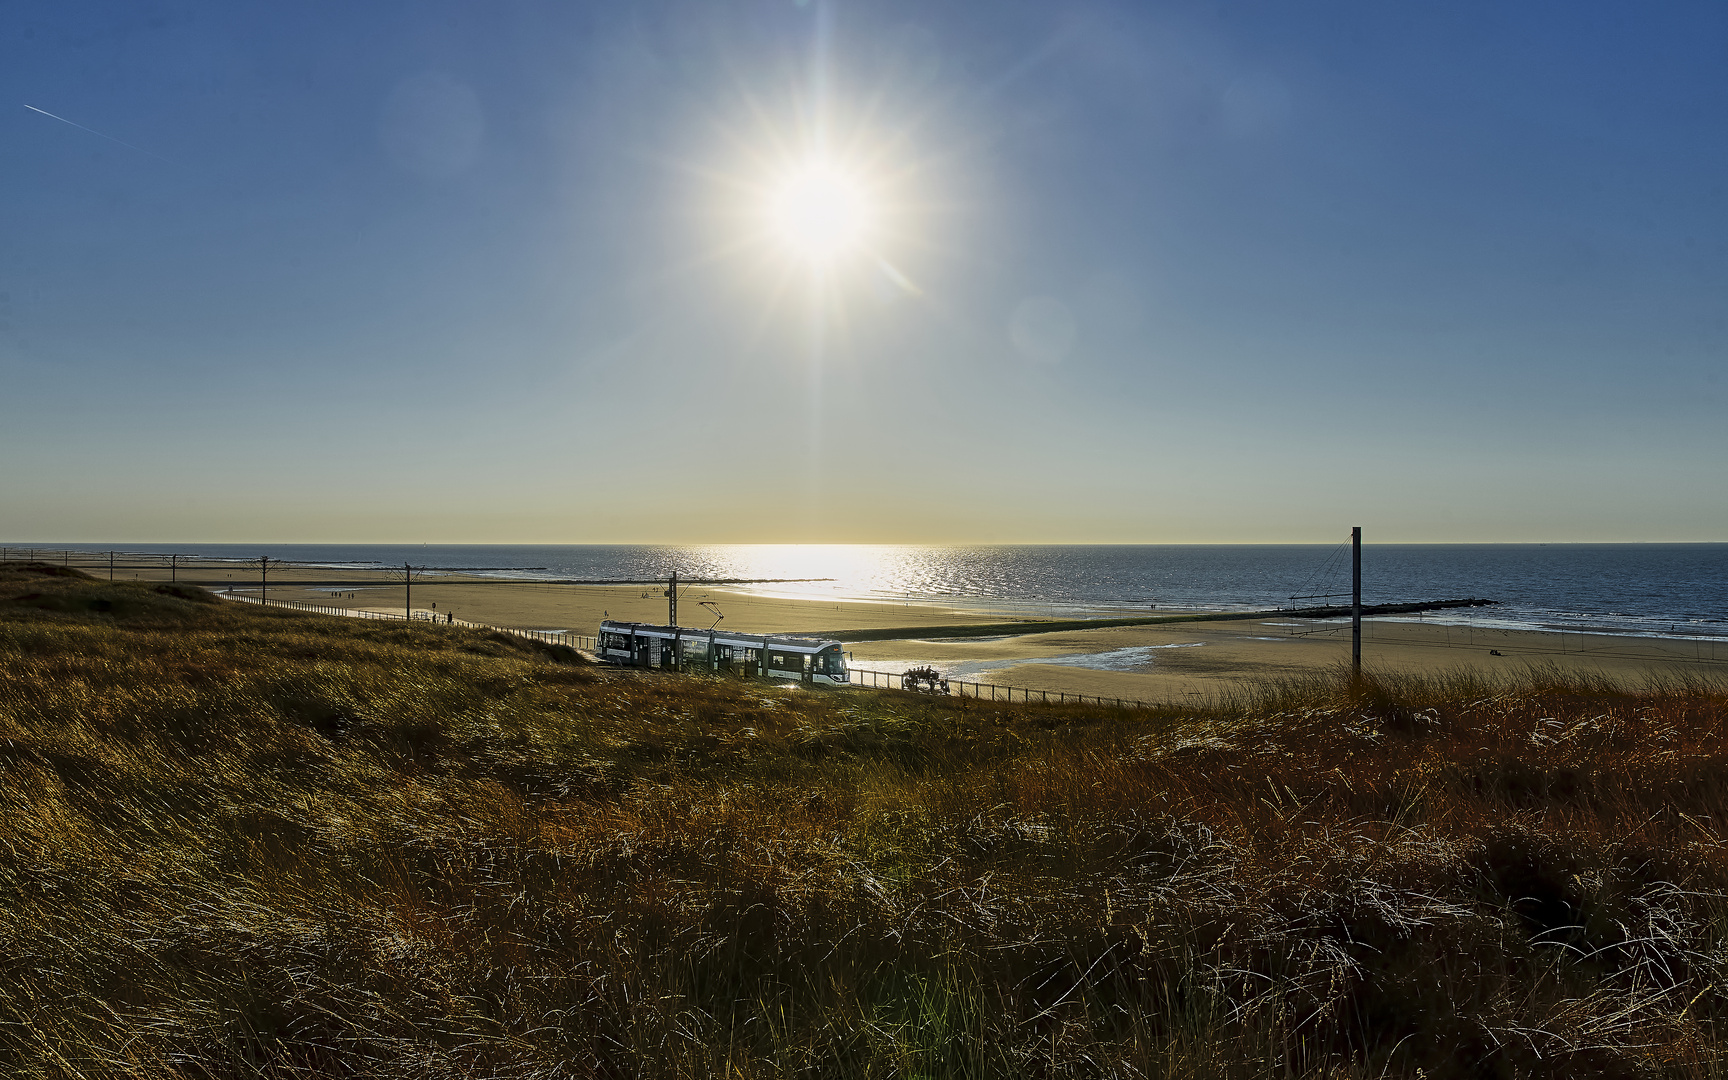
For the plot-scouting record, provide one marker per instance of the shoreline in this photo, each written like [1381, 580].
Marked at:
[1681, 614]
[1207, 659]
[1175, 661]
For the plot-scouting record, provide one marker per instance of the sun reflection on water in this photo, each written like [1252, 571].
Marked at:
[981, 578]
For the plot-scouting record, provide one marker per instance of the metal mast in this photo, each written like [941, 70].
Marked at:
[672, 620]
[1356, 601]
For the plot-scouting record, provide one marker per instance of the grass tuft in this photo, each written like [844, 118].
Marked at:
[238, 842]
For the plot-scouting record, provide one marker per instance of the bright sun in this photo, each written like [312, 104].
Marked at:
[820, 212]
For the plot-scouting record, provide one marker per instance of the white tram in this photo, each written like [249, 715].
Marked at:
[683, 648]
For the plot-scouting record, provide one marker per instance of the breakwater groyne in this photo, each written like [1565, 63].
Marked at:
[1051, 626]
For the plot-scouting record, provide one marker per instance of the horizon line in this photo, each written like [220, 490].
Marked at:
[58, 545]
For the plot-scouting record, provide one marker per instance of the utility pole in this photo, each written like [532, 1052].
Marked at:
[110, 566]
[1356, 601]
[173, 568]
[264, 580]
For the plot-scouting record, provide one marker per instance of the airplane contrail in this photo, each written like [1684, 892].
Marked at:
[93, 131]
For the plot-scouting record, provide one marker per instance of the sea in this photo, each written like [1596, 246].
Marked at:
[1644, 590]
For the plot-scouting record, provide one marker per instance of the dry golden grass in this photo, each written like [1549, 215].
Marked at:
[238, 843]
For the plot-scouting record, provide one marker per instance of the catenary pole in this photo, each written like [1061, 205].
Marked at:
[1356, 601]
[672, 620]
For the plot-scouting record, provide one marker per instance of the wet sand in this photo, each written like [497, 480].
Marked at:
[1172, 662]
[1201, 660]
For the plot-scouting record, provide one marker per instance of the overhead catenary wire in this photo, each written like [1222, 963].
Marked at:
[1324, 577]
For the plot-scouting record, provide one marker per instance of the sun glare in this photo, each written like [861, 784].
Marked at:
[819, 212]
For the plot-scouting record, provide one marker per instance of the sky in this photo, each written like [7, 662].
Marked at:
[1113, 272]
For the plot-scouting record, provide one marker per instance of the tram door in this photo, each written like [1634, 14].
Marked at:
[644, 653]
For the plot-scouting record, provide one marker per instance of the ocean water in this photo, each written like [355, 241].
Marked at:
[1643, 589]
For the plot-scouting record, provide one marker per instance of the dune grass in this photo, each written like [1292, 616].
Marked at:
[238, 842]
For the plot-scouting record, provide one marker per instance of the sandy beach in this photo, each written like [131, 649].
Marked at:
[1171, 662]
[1184, 661]
[534, 605]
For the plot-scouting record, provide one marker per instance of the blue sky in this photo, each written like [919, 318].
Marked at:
[1143, 272]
